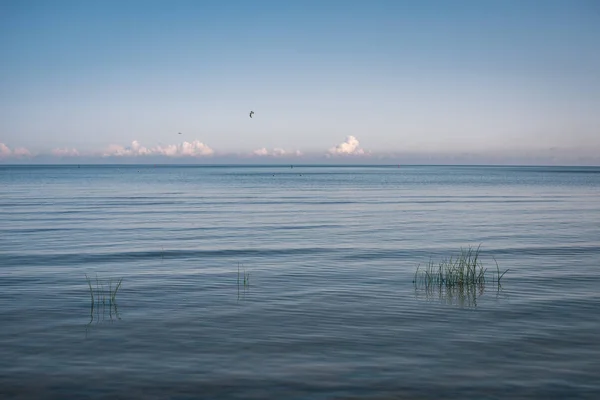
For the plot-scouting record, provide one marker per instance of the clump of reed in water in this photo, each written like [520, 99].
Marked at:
[466, 269]
[103, 294]
[245, 277]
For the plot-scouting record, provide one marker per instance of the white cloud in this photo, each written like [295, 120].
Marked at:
[190, 149]
[195, 148]
[6, 152]
[279, 152]
[138, 149]
[349, 146]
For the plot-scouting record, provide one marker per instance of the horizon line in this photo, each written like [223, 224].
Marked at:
[288, 165]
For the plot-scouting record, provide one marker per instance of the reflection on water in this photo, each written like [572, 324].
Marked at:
[464, 296]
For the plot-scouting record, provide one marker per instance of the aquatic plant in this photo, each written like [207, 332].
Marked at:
[459, 280]
[91, 290]
[104, 293]
[466, 269]
[113, 294]
[101, 295]
[245, 276]
[245, 280]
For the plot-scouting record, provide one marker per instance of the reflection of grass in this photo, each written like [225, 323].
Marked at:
[462, 296]
[459, 280]
[104, 293]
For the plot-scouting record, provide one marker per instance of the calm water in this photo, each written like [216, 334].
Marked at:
[331, 311]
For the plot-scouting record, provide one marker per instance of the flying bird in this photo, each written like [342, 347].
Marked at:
[180, 133]
[251, 112]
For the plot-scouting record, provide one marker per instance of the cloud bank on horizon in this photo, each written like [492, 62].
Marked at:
[19, 152]
[193, 149]
[190, 149]
[349, 149]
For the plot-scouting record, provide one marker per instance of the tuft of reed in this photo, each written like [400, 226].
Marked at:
[104, 293]
[459, 280]
[245, 276]
[243, 279]
[91, 290]
[466, 269]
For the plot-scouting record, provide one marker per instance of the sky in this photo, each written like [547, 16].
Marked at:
[496, 81]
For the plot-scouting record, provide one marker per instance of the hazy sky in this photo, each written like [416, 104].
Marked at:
[498, 79]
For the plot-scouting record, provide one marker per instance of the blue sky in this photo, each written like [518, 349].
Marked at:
[361, 79]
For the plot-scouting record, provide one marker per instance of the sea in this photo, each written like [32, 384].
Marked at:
[298, 282]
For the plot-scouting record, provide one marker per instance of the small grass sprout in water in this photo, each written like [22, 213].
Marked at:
[103, 294]
[245, 276]
[242, 280]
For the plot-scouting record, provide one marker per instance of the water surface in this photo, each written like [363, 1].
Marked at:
[331, 311]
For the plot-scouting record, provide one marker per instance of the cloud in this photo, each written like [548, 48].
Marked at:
[189, 149]
[6, 152]
[65, 152]
[279, 152]
[349, 146]
[276, 152]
